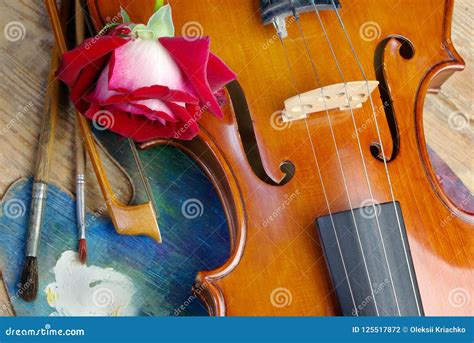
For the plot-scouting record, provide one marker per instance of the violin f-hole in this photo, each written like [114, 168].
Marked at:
[249, 141]
[406, 51]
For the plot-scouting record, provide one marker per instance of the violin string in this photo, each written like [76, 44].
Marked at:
[341, 168]
[319, 172]
[382, 150]
[360, 152]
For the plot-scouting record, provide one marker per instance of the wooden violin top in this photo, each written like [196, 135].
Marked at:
[277, 266]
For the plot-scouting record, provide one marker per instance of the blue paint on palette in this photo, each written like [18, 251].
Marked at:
[162, 274]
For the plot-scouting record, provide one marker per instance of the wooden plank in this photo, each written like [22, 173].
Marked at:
[454, 102]
[6, 306]
[25, 66]
[25, 62]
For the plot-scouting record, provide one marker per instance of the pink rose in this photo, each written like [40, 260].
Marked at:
[150, 88]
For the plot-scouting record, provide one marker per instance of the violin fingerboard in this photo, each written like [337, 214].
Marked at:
[370, 262]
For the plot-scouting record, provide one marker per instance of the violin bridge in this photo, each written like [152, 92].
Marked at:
[343, 96]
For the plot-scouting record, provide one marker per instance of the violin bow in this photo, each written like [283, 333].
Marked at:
[128, 220]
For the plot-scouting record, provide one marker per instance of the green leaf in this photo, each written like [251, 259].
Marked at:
[143, 32]
[161, 23]
[158, 4]
[125, 16]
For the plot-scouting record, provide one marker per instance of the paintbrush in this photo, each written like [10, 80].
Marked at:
[80, 196]
[29, 277]
[127, 219]
[80, 156]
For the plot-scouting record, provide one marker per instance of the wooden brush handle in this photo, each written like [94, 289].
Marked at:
[80, 151]
[46, 138]
[83, 124]
[128, 220]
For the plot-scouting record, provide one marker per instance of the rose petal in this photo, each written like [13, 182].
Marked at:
[85, 83]
[152, 108]
[138, 109]
[218, 73]
[164, 93]
[144, 63]
[120, 30]
[92, 49]
[102, 94]
[187, 121]
[138, 128]
[192, 57]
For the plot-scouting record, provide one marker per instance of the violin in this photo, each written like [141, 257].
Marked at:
[332, 203]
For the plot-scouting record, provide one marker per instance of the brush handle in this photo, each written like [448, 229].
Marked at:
[45, 149]
[80, 151]
[46, 138]
[128, 220]
[86, 131]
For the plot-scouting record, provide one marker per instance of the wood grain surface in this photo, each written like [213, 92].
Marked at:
[25, 63]
[277, 254]
[455, 100]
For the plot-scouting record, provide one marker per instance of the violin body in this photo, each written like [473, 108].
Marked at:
[271, 216]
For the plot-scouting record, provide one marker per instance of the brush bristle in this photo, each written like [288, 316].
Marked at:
[82, 251]
[29, 279]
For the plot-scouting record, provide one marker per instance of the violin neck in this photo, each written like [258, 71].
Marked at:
[369, 260]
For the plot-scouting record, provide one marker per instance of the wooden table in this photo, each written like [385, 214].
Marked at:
[25, 61]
